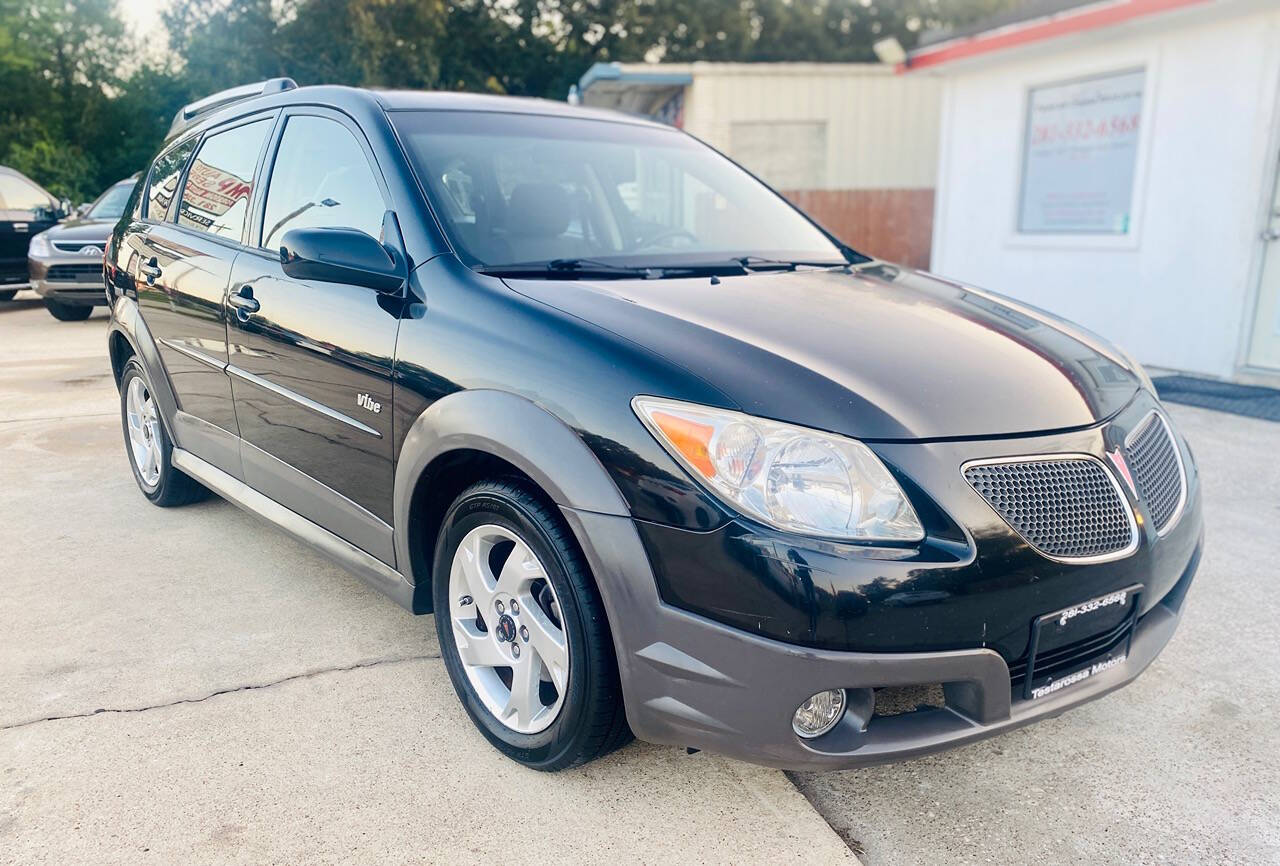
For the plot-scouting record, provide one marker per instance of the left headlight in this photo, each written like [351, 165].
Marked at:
[789, 477]
[40, 246]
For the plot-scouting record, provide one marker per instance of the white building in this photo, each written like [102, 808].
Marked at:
[852, 143]
[1115, 161]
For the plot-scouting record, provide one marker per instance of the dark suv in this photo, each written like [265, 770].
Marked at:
[661, 454]
[26, 210]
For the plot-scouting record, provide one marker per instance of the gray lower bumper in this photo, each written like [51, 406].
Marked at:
[71, 293]
[689, 681]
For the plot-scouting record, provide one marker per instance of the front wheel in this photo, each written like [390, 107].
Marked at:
[522, 629]
[68, 312]
[148, 446]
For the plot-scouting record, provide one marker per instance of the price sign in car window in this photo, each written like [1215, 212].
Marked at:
[1080, 155]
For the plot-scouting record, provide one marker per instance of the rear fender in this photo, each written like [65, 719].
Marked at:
[126, 320]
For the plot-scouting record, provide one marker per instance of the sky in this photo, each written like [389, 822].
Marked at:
[142, 16]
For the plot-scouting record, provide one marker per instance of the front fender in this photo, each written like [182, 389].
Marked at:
[518, 431]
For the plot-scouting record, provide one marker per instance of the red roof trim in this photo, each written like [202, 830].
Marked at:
[1039, 29]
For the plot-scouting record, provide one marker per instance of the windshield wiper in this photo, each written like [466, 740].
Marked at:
[760, 263]
[573, 269]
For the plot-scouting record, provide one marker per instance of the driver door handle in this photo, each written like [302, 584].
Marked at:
[151, 270]
[244, 302]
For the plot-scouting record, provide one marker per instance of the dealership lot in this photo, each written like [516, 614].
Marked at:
[192, 685]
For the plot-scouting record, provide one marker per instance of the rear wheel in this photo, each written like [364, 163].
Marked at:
[8, 294]
[148, 446]
[522, 629]
[68, 312]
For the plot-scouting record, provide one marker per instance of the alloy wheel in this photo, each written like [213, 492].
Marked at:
[508, 628]
[144, 432]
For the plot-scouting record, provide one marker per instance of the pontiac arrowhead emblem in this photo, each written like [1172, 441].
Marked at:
[1122, 467]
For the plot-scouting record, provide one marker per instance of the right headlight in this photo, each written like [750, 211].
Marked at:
[789, 477]
[40, 246]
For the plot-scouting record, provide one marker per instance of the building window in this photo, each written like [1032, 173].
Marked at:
[1080, 155]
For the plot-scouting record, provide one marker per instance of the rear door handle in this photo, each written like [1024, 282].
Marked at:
[151, 270]
[244, 302]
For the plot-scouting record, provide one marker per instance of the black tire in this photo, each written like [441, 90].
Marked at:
[173, 487]
[68, 312]
[8, 294]
[591, 721]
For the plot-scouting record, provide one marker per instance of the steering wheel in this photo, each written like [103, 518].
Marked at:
[666, 234]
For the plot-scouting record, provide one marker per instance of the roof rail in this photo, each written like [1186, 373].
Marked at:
[190, 113]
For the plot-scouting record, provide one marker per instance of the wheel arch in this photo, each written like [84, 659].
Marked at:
[474, 434]
[128, 336]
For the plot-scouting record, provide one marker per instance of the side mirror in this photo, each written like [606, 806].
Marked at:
[335, 255]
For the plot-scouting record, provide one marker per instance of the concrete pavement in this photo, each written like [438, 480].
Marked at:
[190, 685]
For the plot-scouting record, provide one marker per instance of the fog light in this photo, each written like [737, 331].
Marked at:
[818, 714]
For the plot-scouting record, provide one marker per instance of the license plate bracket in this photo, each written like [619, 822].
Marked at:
[1051, 627]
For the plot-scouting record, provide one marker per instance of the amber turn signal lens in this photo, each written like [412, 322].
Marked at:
[690, 438]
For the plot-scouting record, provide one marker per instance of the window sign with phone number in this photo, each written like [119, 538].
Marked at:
[1080, 155]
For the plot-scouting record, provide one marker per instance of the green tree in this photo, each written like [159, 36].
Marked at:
[81, 105]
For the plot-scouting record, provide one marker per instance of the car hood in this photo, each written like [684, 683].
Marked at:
[883, 353]
[88, 231]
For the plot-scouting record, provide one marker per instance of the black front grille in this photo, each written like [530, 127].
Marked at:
[1067, 659]
[1157, 471]
[1065, 507]
[75, 273]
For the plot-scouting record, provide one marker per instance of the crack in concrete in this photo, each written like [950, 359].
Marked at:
[60, 417]
[228, 691]
[845, 834]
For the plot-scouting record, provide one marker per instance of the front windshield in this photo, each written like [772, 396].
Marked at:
[514, 189]
[110, 205]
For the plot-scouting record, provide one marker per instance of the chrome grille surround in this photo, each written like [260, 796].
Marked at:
[1069, 507]
[1158, 473]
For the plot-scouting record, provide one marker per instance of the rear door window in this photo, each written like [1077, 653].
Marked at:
[321, 179]
[219, 183]
[165, 175]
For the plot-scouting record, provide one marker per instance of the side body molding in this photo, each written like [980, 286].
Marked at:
[515, 429]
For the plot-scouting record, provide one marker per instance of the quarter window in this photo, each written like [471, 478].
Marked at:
[220, 183]
[321, 179]
[165, 175]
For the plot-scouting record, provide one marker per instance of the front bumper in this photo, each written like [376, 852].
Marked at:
[68, 279]
[957, 621]
[690, 681]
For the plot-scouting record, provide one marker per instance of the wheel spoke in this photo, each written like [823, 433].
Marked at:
[523, 702]
[152, 468]
[476, 647]
[548, 643]
[520, 568]
[473, 559]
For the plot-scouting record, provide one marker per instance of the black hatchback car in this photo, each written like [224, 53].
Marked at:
[663, 456]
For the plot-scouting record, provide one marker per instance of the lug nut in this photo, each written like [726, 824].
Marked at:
[498, 605]
[465, 600]
[515, 606]
[515, 650]
[524, 634]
